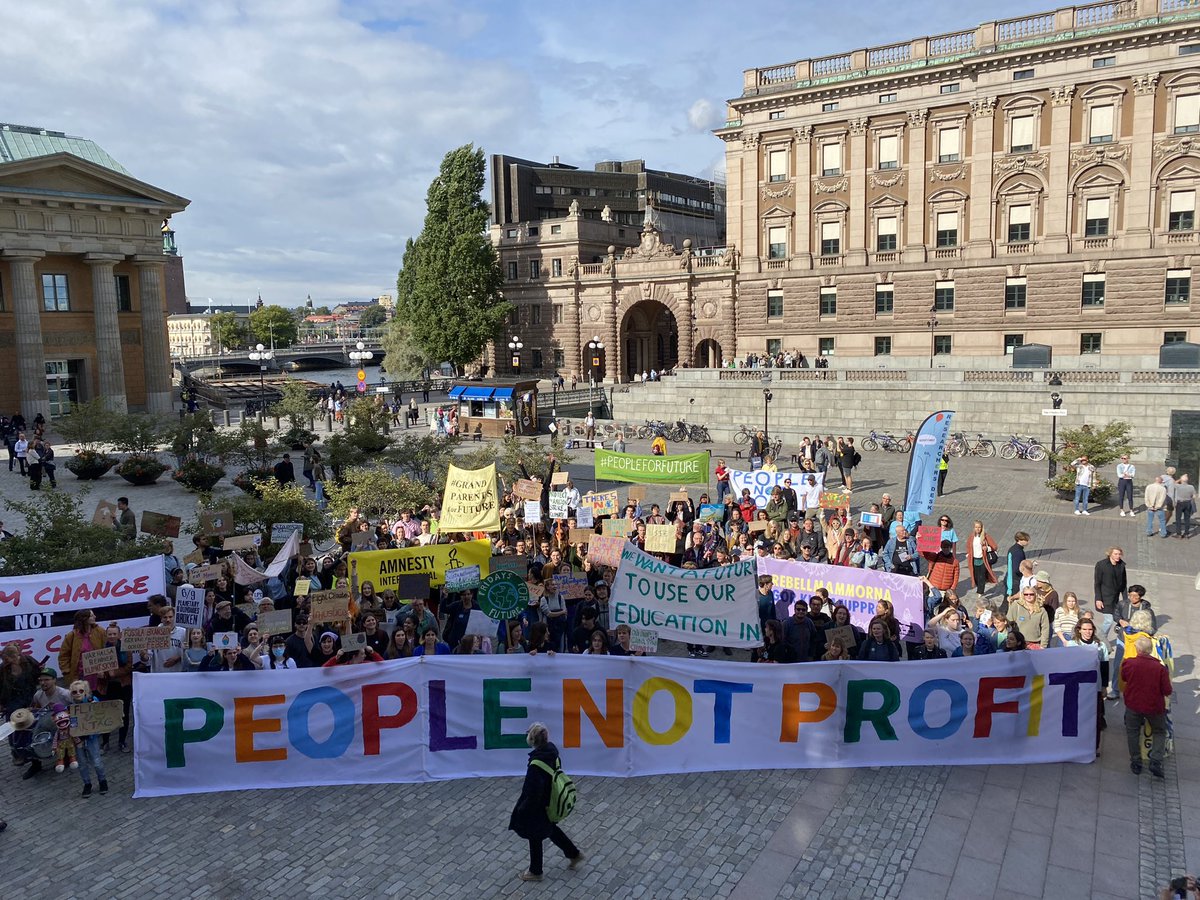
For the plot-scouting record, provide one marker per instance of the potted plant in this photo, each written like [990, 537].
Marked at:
[200, 452]
[299, 409]
[251, 446]
[138, 435]
[87, 426]
[1101, 447]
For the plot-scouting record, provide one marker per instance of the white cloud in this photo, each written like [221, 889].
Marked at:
[703, 115]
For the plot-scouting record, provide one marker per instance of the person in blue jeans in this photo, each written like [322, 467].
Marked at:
[89, 746]
[1085, 478]
[1156, 506]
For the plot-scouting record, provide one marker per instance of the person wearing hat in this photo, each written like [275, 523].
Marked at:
[1046, 593]
[1085, 480]
[1134, 617]
[48, 692]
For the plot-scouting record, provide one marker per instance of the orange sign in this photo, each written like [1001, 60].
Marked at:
[362, 376]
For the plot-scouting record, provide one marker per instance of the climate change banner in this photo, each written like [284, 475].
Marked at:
[857, 589]
[762, 483]
[383, 568]
[714, 606]
[683, 468]
[435, 718]
[36, 611]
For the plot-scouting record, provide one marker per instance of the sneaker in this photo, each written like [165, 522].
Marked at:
[1122, 514]
[103, 786]
[124, 748]
[34, 768]
[529, 876]
[1112, 695]
[1157, 771]
[1135, 768]
[1086, 513]
[691, 654]
[1078, 513]
[577, 861]
[87, 789]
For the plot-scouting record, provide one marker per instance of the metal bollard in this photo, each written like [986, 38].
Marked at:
[329, 422]
[275, 419]
[225, 417]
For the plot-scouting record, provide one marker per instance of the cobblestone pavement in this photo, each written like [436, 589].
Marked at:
[1054, 831]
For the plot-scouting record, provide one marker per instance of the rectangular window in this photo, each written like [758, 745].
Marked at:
[777, 242]
[537, 360]
[943, 296]
[55, 295]
[556, 268]
[777, 165]
[514, 318]
[1104, 62]
[124, 295]
[560, 359]
[510, 233]
[885, 299]
[774, 304]
[1020, 134]
[1089, 342]
[556, 229]
[831, 159]
[1012, 341]
[950, 88]
[1187, 113]
[829, 301]
[774, 346]
[1014, 293]
[942, 345]
[1189, 49]
[885, 234]
[1179, 287]
[1018, 223]
[1100, 125]
[775, 114]
[889, 152]
[1174, 337]
[1183, 211]
[1022, 74]
[1093, 291]
[1095, 217]
[831, 238]
[535, 313]
[558, 314]
[826, 346]
[949, 146]
[883, 346]
[887, 98]
[828, 107]
[512, 270]
[947, 229]
[533, 230]
[535, 269]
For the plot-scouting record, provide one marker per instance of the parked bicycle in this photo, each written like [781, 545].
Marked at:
[1024, 449]
[743, 435]
[882, 440]
[959, 445]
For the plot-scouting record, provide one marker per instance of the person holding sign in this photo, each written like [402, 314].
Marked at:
[88, 750]
[84, 637]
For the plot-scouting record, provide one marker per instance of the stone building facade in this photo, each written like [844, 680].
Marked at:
[82, 294]
[1031, 180]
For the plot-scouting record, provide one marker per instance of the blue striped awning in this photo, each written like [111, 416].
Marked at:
[457, 391]
[503, 393]
[477, 393]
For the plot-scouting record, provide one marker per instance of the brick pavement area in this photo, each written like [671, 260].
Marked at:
[1055, 831]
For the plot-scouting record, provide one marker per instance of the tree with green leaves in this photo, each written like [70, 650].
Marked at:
[1101, 447]
[300, 410]
[273, 326]
[272, 503]
[403, 356]
[372, 317]
[229, 332]
[376, 492]
[449, 286]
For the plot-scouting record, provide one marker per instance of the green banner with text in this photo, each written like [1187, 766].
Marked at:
[685, 468]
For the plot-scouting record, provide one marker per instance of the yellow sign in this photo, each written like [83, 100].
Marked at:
[383, 568]
[470, 502]
[362, 376]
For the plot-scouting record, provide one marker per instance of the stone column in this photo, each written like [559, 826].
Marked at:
[913, 239]
[750, 239]
[109, 364]
[1138, 215]
[610, 334]
[728, 324]
[802, 225]
[983, 113]
[854, 241]
[1055, 222]
[687, 328]
[27, 321]
[155, 354]
[572, 358]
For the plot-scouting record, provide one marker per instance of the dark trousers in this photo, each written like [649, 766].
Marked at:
[21, 463]
[1158, 736]
[35, 475]
[942, 473]
[1183, 516]
[560, 840]
[1124, 492]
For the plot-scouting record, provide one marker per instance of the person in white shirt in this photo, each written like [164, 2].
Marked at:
[573, 498]
[1125, 473]
[170, 659]
[1085, 478]
[22, 450]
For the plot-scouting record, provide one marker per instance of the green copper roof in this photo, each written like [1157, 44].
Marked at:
[19, 142]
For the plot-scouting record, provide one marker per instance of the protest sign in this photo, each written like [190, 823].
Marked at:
[160, 524]
[533, 512]
[248, 609]
[464, 578]
[242, 542]
[558, 504]
[99, 717]
[661, 539]
[700, 606]
[572, 586]
[195, 558]
[502, 595]
[409, 587]
[470, 502]
[834, 499]
[303, 586]
[275, 621]
[518, 565]
[218, 522]
[157, 637]
[527, 489]
[105, 514]
[580, 535]
[929, 539]
[329, 606]
[189, 606]
[101, 660]
[355, 640]
[225, 640]
[684, 468]
[644, 640]
[660, 718]
[844, 634]
[637, 492]
[617, 527]
[678, 497]
[281, 531]
[559, 478]
[583, 516]
[605, 549]
[478, 623]
[857, 589]
[362, 540]
[871, 520]
[383, 568]
[761, 483]
[202, 573]
[603, 503]
[710, 512]
[757, 527]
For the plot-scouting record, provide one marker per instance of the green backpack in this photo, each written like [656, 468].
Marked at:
[562, 791]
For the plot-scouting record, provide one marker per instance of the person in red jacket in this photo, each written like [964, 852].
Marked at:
[352, 657]
[1147, 687]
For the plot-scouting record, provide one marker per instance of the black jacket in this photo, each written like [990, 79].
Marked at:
[1110, 584]
[529, 819]
[920, 651]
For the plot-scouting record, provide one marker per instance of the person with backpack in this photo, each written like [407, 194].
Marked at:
[547, 797]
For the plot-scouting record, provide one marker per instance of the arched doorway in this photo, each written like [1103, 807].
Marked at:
[649, 339]
[708, 354]
[594, 362]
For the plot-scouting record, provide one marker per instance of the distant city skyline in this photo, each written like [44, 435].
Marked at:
[306, 143]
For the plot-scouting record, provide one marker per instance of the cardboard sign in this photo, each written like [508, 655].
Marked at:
[276, 621]
[200, 574]
[137, 639]
[527, 489]
[96, 718]
[225, 640]
[834, 499]
[354, 641]
[559, 478]
[195, 558]
[757, 527]
[249, 610]
[584, 517]
[637, 492]
[533, 512]
[478, 623]
[160, 524]
[303, 586]
[242, 542]
[643, 639]
[558, 504]
[105, 514]
[604, 503]
[845, 634]
[605, 549]
[464, 578]
[329, 606]
[518, 565]
[871, 520]
[281, 531]
[929, 539]
[411, 586]
[571, 586]
[219, 522]
[660, 539]
[99, 660]
[621, 528]
[362, 540]
[679, 496]
[710, 512]
[581, 535]
[306, 549]
[189, 606]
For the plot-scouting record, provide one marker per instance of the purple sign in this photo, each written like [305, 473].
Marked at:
[857, 589]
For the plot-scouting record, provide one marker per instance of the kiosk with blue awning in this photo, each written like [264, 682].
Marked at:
[496, 408]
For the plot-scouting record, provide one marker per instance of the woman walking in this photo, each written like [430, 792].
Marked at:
[529, 817]
[982, 549]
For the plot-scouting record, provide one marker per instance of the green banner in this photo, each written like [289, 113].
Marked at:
[685, 468]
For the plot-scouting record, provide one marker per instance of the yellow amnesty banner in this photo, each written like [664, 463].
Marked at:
[383, 568]
[470, 502]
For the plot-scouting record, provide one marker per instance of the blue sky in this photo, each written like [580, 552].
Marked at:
[305, 132]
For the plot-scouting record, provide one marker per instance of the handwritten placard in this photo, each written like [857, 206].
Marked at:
[581, 535]
[329, 606]
[105, 514]
[303, 586]
[604, 503]
[605, 549]
[516, 564]
[583, 516]
[617, 527]
[559, 478]
[929, 539]
[572, 586]
[134, 640]
[464, 578]
[834, 499]
[756, 527]
[679, 497]
[275, 621]
[637, 492]
[101, 660]
[96, 718]
[844, 635]
[189, 606]
[644, 640]
[200, 574]
[354, 641]
[219, 522]
[660, 539]
[527, 489]
[533, 512]
[558, 504]
[242, 542]
[160, 524]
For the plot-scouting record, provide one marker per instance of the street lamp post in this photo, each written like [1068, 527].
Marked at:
[360, 356]
[514, 347]
[263, 357]
[767, 398]
[932, 323]
[1056, 403]
[595, 346]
